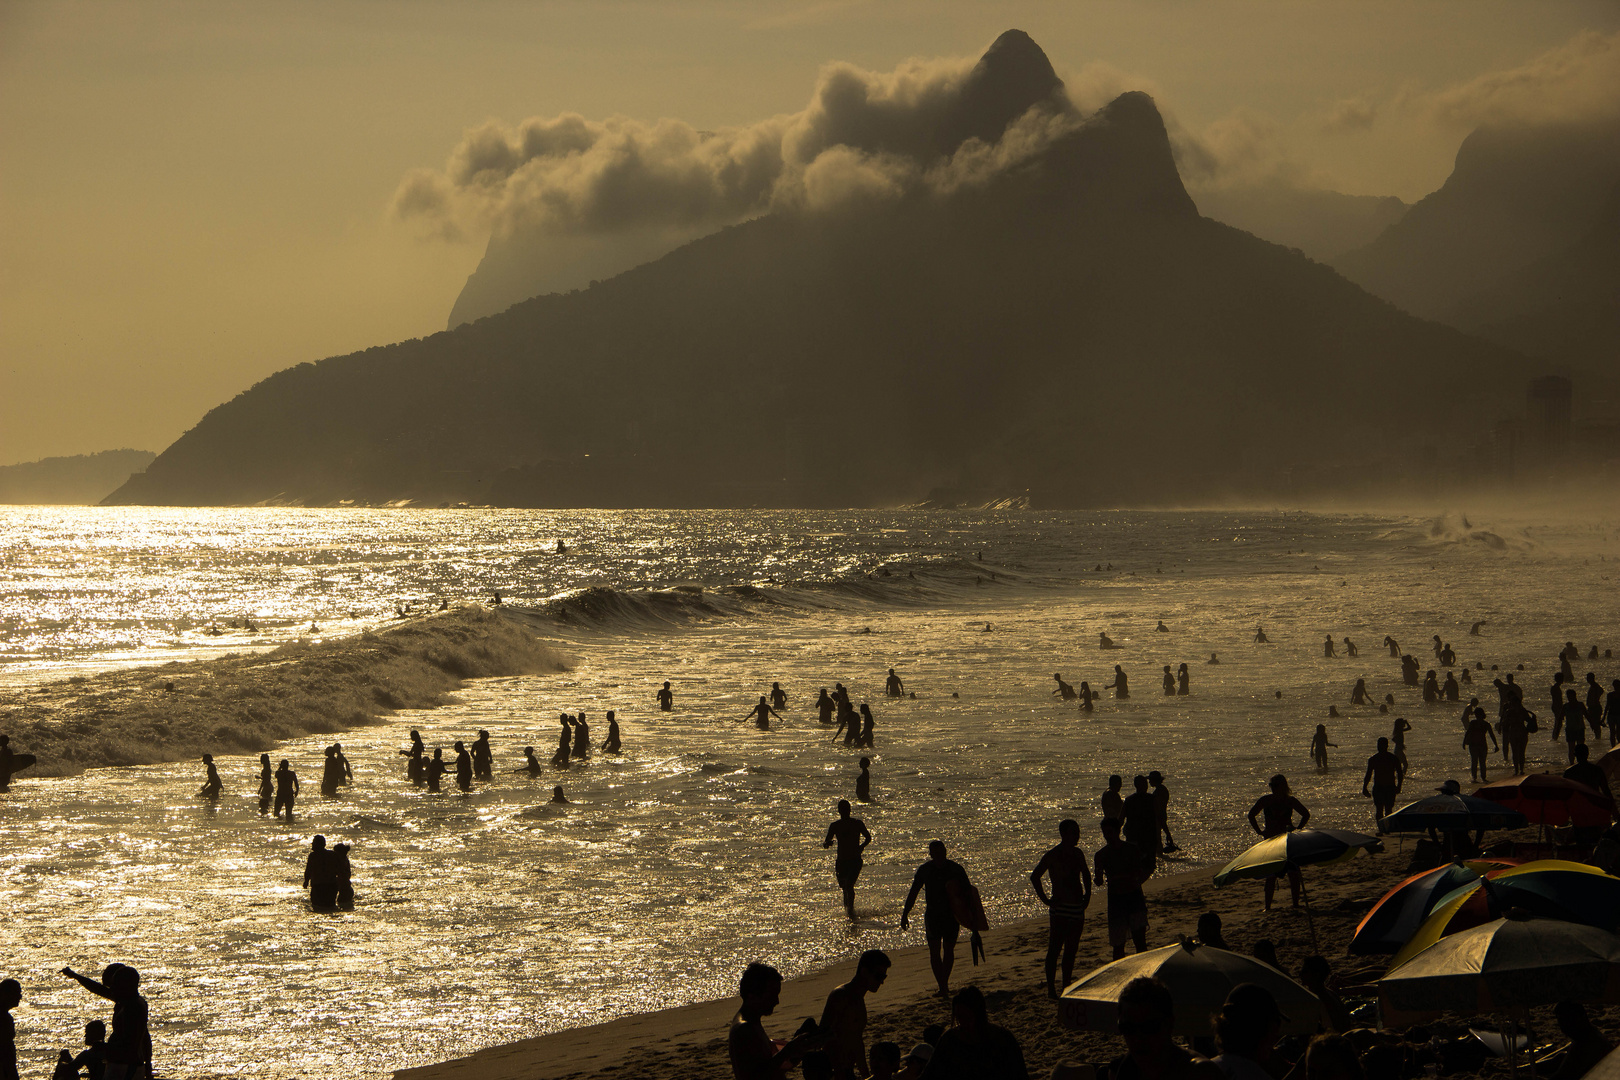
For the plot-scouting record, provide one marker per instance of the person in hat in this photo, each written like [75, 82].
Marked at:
[1246, 1030]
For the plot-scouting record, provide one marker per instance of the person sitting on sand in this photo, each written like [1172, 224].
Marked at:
[557, 795]
[974, 1048]
[850, 834]
[666, 698]
[753, 1055]
[1147, 1023]
[1105, 642]
[1119, 686]
[885, 1058]
[611, 744]
[1209, 931]
[1121, 868]
[213, 785]
[1064, 691]
[843, 1017]
[935, 880]
[1319, 747]
[1066, 906]
[531, 764]
[1277, 809]
[286, 789]
[1314, 974]
[1386, 774]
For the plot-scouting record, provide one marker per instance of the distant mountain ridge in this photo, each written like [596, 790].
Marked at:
[1323, 224]
[82, 480]
[1071, 329]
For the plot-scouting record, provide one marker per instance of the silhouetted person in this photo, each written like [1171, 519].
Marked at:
[1087, 698]
[1448, 655]
[666, 698]
[267, 783]
[974, 1048]
[1450, 690]
[1431, 687]
[1121, 867]
[93, 1058]
[761, 715]
[778, 696]
[1479, 729]
[531, 764]
[1260, 636]
[557, 795]
[10, 998]
[1397, 739]
[1113, 803]
[1574, 723]
[1359, 695]
[935, 879]
[436, 770]
[320, 876]
[1161, 628]
[464, 769]
[850, 834]
[565, 743]
[1064, 691]
[212, 785]
[331, 772]
[1319, 747]
[1328, 652]
[415, 763]
[1213, 659]
[752, 1054]
[582, 737]
[1409, 670]
[1611, 711]
[1066, 906]
[893, 686]
[1386, 774]
[129, 1046]
[286, 789]
[1473, 631]
[1350, 648]
[863, 781]
[1105, 642]
[1183, 680]
[1169, 682]
[1588, 772]
[843, 1018]
[1161, 810]
[1276, 809]
[825, 707]
[1587, 1045]
[1394, 648]
[611, 745]
[1119, 686]
[1139, 822]
[1594, 704]
[343, 877]
[483, 759]
[1147, 1024]
[1209, 931]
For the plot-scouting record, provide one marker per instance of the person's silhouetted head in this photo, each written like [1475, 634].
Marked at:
[1147, 1017]
[1248, 1022]
[1209, 930]
[1155, 778]
[10, 994]
[95, 1033]
[1278, 784]
[1265, 950]
[557, 794]
[208, 759]
[872, 968]
[1110, 829]
[318, 843]
[866, 762]
[285, 764]
[760, 988]
[666, 684]
[936, 849]
[885, 1058]
[1383, 744]
[529, 750]
[1069, 831]
[843, 808]
[1139, 782]
[969, 1010]
[459, 746]
[1315, 971]
[1581, 752]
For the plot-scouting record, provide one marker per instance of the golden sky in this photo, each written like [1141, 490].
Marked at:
[196, 195]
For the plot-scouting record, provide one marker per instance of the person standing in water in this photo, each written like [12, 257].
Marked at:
[464, 768]
[286, 789]
[825, 707]
[582, 737]
[320, 876]
[267, 784]
[893, 685]
[1183, 680]
[863, 781]
[1277, 809]
[610, 745]
[1086, 697]
[778, 696]
[1393, 647]
[1386, 774]
[1350, 649]
[868, 723]
[1066, 906]
[1328, 652]
[1119, 686]
[10, 998]
[1319, 747]
[565, 741]
[331, 773]
[415, 763]
[1161, 810]
[1139, 822]
[1359, 695]
[1397, 737]
[531, 763]
[666, 698]
[212, 785]
[1169, 682]
[761, 715]
[1474, 739]
[435, 771]
[1260, 636]
[129, 1048]
[483, 758]
[850, 834]
[343, 874]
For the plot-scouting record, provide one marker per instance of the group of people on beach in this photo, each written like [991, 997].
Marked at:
[123, 1054]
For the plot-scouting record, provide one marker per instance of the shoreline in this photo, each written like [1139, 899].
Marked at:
[249, 703]
[688, 1041]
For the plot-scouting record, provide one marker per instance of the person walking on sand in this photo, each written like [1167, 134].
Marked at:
[666, 698]
[1121, 867]
[213, 784]
[1474, 739]
[893, 686]
[843, 1018]
[1119, 686]
[761, 715]
[1319, 747]
[752, 1054]
[286, 789]
[934, 879]
[1161, 810]
[267, 784]
[1066, 906]
[483, 758]
[464, 768]
[1386, 774]
[850, 834]
[1276, 809]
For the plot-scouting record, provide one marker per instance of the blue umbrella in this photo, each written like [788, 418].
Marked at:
[1451, 812]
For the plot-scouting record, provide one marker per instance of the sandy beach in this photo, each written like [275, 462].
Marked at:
[688, 1043]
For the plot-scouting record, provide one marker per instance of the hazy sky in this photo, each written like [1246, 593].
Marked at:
[196, 195]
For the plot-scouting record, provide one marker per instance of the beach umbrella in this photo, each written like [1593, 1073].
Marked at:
[1199, 978]
[1549, 799]
[1610, 764]
[1452, 812]
[1504, 965]
[1394, 919]
[1551, 888]
[1292, 850]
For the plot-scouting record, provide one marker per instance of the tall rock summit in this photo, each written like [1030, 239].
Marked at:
[1057, 321]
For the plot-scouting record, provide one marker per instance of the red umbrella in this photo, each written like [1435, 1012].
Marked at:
[1549, 799]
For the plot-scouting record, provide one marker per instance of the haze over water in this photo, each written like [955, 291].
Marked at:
[492, 916]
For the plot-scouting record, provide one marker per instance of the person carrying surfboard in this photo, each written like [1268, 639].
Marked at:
[949, 902]
[11, 762]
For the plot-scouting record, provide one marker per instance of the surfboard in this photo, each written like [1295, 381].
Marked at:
[966, 906]
[19, 762]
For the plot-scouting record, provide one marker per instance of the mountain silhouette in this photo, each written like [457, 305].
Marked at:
[1516, 194]
[1321, 223]
[1069, 327]
[70, 481]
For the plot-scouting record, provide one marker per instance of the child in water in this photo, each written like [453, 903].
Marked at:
[1319, 747]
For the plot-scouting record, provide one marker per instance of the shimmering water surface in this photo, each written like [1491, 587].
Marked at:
[492, 916]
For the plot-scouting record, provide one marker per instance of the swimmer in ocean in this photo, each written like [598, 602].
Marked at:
[1169, 682]
[666, 698]
[436, 769]
[1119, 686]
[1064, 691]
[212, 786]
[1260, 636]
[1473, 631]
[893, 686]
[1350, 648]
[825, 707]
[1086, 696]
[267, 783]
[1359, 696]
[611, 745]
[1105, 642]
[778, 696]
[1328, 652]
[1213, 659]
[532, 763]
[1161, 628]
[1394, 648]
[286, 788]
[863, 781]
[867, 724]
[464, 767]
[761, 714]
[557, 795]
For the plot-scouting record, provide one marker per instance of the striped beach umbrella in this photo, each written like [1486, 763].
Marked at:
[1549, 799]
[1395, 918]
[1292, 850]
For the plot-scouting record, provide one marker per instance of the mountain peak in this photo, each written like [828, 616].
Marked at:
[1012, 77]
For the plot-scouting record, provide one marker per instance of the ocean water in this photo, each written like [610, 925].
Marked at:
[492, 916]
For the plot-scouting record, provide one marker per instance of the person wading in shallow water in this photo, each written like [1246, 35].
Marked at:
[666, 698]
[1066, 906]
[286, 788]
[850, 834]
